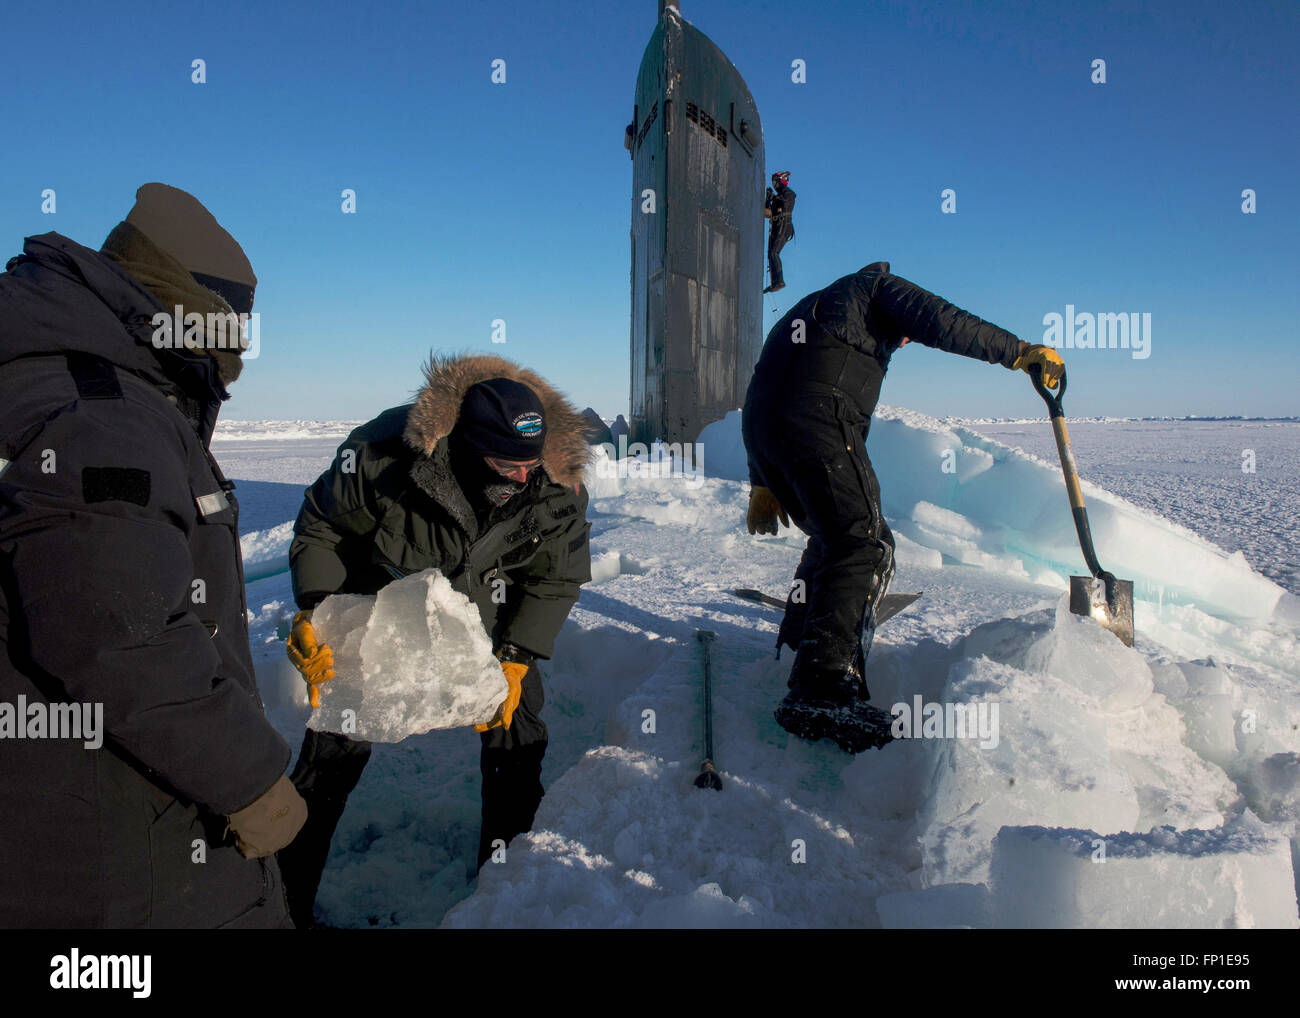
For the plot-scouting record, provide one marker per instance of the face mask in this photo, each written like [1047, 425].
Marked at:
[501, 488]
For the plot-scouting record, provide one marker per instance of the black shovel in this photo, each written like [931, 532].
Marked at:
[1106, 599]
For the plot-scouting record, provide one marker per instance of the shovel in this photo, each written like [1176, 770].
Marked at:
[1106, 599]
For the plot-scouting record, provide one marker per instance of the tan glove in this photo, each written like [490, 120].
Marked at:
[1046, 358]
[315, 661]
[270, 822]
[763, 512]
[514, 673]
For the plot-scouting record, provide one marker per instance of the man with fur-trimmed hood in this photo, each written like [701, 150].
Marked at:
[480, 477]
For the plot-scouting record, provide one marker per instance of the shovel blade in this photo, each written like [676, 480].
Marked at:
[1110, 604]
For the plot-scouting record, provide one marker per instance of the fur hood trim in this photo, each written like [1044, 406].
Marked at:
[447, 377]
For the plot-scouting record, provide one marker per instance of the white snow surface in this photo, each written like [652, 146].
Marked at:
[1181, 755]
[412, 659]
[280, 431]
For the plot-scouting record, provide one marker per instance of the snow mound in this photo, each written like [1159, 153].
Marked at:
[1004, 506]
[409, 660]
[1081, 743]
[981, 503]
[722, 449]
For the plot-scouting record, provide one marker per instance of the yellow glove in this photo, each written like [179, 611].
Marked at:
[763, 511]
[315, 661]
[514, 672]
[1046, 358]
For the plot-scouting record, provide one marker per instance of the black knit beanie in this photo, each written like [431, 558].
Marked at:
[504, 419]
[180, 224]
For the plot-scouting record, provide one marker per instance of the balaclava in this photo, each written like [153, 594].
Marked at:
[503, 419]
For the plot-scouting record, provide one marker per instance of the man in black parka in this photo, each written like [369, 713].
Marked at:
[481, 477]
[121, 587]
[805, 424]
[778, 206]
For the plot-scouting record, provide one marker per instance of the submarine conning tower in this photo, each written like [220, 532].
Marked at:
[697, 234]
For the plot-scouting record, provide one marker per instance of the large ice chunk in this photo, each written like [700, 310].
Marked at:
[1050, 760]
[1081, 742]
[1238, 875]
[411, 659]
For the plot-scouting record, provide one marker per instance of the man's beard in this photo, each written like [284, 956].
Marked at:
[481, 484]
[501, 491]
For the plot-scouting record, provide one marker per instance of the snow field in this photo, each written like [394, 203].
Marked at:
[1196, 725]
[281, 431]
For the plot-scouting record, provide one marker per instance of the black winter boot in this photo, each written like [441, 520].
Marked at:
[832, 702]
[834, 705]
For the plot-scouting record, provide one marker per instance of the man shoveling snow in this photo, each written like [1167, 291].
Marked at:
[804, 425]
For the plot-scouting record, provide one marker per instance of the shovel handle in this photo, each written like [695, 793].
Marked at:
[1119, 619]
[1053, 401]
[1071, 473]
[1066, 454]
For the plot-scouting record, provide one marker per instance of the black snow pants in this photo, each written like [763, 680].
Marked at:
[511, 762]
[330, 765]
[809, 447]
[775, 241]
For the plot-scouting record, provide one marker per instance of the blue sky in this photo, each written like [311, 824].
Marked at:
[479, 201]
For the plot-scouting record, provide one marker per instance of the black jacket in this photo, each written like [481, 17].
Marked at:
[391, 504]
[843, 336]
[781, 204]
[121, 584]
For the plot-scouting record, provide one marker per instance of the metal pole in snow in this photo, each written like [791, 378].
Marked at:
[708, 776]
